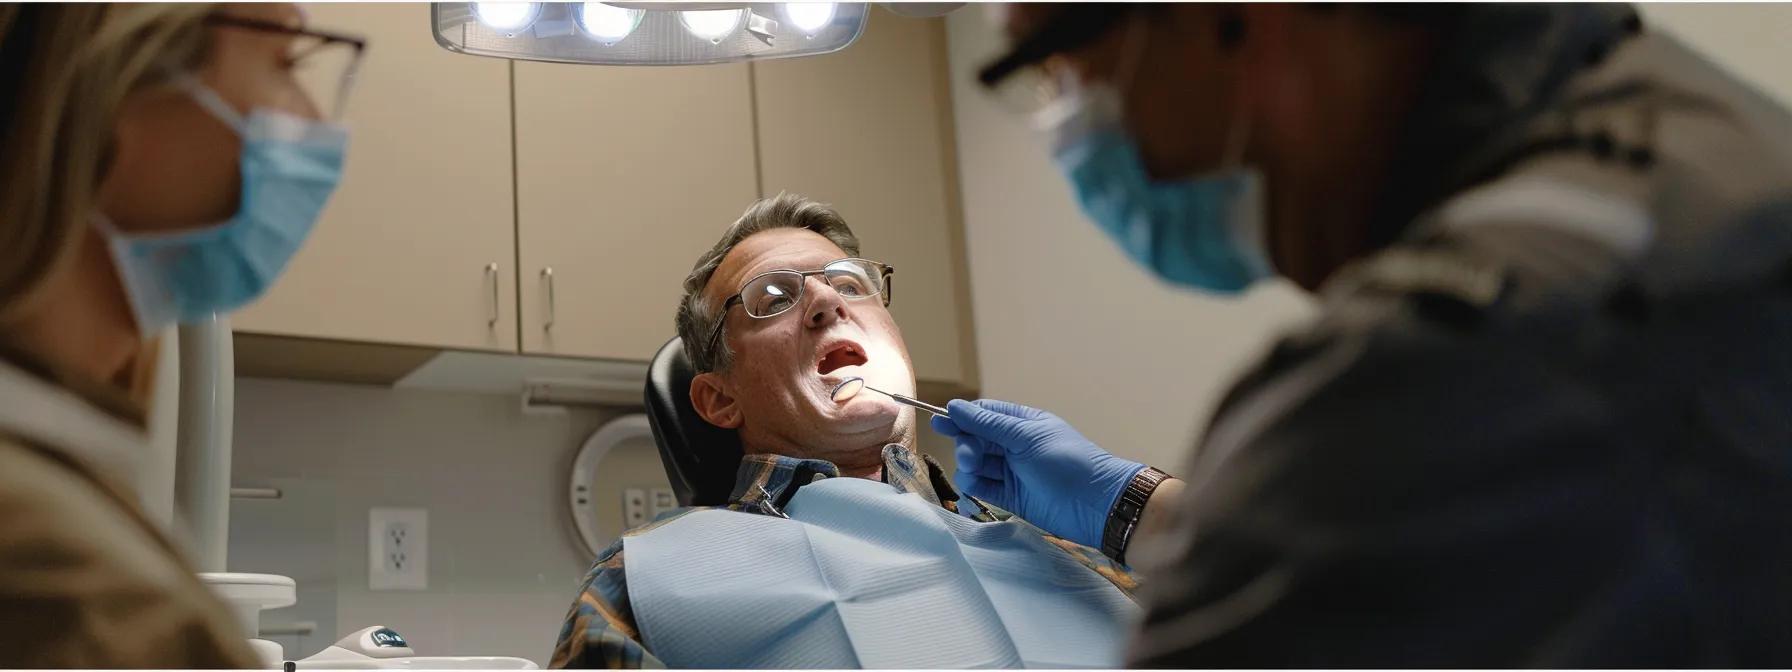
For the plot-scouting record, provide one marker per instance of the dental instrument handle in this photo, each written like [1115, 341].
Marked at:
[917, 403]
[911, 401]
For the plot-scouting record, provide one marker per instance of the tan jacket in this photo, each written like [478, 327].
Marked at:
[85, 579]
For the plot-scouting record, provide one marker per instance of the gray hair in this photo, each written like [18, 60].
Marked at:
[698, 315]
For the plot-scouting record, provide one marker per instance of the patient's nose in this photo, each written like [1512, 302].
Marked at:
[826, 306]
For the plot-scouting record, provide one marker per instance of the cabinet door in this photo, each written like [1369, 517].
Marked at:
[405, 251]
[866, 129]
[625, 175]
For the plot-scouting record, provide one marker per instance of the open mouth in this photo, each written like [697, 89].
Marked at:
[842, 354]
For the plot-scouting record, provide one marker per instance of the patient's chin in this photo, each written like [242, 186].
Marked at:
[864, 414]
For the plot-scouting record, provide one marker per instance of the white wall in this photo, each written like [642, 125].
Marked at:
[1064, 321]
[1753, 40]
[504, 561]
[503, 566]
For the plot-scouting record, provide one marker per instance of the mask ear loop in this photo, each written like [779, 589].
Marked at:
[343, 88]
[1252, 229]
[211, 101]
[103, 224]
[1238, 132]
[1138, 36]
[1231, 32]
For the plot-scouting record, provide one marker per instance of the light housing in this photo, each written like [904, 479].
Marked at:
[660, 33]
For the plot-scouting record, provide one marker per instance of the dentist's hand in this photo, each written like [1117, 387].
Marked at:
[1033, 463]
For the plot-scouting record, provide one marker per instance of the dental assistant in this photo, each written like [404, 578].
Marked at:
[1542, 419]
[161, 164]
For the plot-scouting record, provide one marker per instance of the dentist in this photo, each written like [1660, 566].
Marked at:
[161, 163]
[1542, 418]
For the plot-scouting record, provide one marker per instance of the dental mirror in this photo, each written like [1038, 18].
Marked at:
[850, 387]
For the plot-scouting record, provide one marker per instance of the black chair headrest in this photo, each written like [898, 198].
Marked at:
[701, 459]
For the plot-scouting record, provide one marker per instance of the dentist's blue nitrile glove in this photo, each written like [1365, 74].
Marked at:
[1036, 465]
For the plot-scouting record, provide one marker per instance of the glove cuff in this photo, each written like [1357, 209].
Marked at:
[1123, 518]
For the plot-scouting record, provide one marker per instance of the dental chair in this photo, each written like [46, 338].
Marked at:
[701, 459]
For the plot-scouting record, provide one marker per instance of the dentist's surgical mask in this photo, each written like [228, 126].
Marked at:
[1205, 232]
[289, 167]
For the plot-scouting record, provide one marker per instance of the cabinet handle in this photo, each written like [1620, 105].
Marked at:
[491, 272]
[547, 275]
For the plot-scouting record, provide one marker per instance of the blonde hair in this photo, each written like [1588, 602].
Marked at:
[65, 70]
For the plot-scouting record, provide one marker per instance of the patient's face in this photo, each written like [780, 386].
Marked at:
[778, 389]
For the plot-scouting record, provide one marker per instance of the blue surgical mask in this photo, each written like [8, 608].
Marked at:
[289, 166]
[1204, 232]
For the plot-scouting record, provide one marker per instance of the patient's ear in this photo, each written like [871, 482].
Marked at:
[711, 399]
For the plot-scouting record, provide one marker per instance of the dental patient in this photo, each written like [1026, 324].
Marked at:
[842, 545]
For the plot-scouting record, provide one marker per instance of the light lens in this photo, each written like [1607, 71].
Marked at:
[712, 24]
[608, 23]
[658, 32]
[507, 16]
[810, 17]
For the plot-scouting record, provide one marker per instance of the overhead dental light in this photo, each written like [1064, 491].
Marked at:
[647, 33]
[810, 17]
[712, 24]
[608, 23]
[507, 17]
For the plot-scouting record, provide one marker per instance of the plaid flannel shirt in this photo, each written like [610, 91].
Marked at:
[600, 629]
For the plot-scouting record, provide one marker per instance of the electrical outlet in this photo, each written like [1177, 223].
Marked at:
[634, 508]
[396, 555]
[663, 501]
[397, 549]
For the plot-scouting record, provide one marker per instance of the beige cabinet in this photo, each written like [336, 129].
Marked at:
[624, 176]
[417, 245]
[868, 130]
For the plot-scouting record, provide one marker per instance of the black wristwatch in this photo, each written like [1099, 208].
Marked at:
[1123, 519]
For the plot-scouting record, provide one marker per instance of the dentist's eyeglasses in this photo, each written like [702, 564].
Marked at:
[776, 292]
[1026, 81]
[323, 63]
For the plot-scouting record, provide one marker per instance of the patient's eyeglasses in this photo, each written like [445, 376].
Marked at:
[776, 292]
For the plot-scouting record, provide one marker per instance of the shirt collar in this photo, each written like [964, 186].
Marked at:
[67, 416]
[765, 482]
